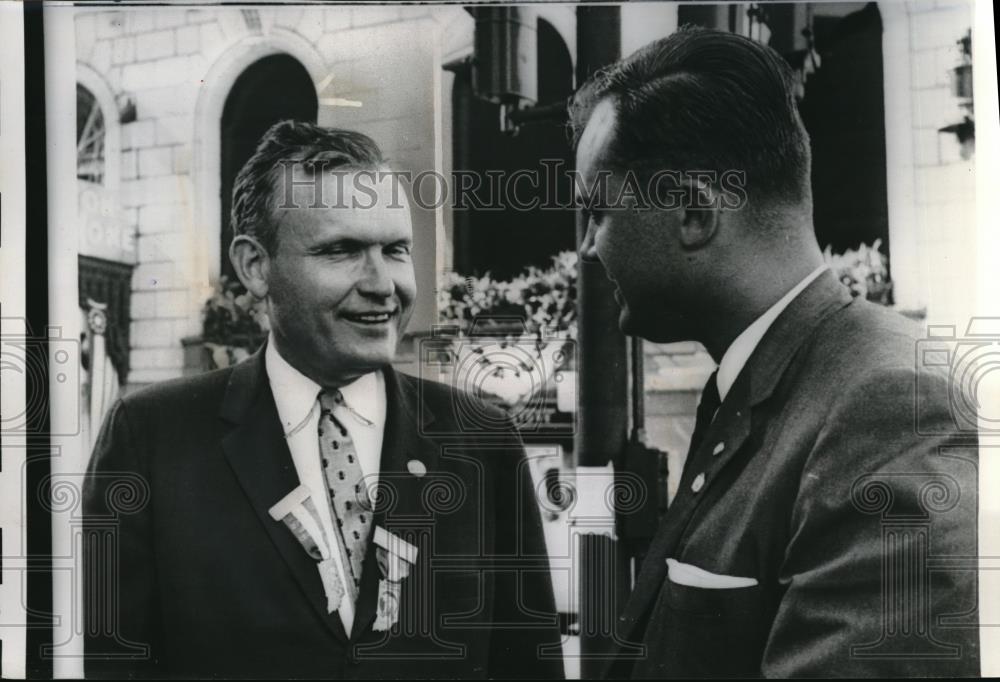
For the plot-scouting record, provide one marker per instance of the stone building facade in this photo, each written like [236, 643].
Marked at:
[379, 69]
[162, 76]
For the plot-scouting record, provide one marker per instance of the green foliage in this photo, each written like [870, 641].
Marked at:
[232, 317]
[865, 271]
[544, 299]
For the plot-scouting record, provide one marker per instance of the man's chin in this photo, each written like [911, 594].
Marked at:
[349, 366]
[373, 357]
[626, 322]
[360, 356]
[631, 324]
[653, 327]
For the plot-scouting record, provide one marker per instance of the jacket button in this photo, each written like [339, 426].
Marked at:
[698, 483]
[719, 447]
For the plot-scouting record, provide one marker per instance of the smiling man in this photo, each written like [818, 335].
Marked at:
[804, 539]
[289, 517]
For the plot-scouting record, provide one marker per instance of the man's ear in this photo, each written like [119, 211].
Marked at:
[701, 216]
[252, 263]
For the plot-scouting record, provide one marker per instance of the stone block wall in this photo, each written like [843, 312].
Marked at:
[376, 69]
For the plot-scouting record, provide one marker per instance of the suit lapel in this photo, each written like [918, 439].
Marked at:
[256, 450]
[408, 462]
[732, 426]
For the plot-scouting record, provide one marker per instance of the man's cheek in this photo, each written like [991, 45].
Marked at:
[408, 295]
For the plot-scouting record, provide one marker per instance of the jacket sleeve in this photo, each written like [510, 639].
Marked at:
[526, 643]
[879, 575]
[119, 604]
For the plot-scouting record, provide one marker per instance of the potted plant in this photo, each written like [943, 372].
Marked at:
[234, 325]
[511, 341]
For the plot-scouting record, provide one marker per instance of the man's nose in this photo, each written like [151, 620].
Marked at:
[376, 280]
[588, 248]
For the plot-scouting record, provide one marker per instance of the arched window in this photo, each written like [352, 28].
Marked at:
[89, 137]
[251, 108]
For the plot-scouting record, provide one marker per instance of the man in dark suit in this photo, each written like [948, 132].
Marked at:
[819, 528]
[291, 516]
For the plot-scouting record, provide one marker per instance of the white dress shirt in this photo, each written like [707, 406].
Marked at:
[743, 346]
[363, 414]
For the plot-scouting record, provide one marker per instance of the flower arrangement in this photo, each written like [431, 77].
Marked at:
[234, 323]
[543, 299]
[865, 271]
[515, 337]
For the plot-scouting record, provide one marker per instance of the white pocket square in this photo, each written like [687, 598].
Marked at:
[692, 576]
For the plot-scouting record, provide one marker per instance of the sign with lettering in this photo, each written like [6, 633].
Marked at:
[103, 229]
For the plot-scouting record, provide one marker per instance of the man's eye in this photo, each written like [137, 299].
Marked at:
[399, 250]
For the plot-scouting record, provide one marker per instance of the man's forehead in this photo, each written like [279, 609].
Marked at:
[359, 201]
[592, 157]
[346, 188]
[597, 135]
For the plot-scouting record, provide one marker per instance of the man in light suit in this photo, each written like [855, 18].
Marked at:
[817, 531]
[292, 516]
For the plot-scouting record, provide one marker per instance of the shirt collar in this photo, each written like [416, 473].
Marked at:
[295, 394]
[743, 346]
[362, 398]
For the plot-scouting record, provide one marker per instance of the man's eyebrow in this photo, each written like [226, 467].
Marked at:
[349, 243]
[355, 244]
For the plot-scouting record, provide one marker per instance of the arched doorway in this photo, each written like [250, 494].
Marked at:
[505, 241]
[272, 89]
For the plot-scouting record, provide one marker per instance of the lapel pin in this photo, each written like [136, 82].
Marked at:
[698, 483]
[416, 467]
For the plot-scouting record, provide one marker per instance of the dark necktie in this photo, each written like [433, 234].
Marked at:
[710, 402]
[347, 489]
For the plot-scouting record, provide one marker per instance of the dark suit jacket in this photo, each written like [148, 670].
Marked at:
[182, 556]
[859, 527]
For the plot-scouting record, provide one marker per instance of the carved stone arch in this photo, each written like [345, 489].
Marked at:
[206, 178]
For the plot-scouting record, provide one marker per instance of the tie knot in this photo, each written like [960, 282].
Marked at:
[330, 398]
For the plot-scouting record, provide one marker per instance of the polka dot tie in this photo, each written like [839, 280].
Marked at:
[346, 487]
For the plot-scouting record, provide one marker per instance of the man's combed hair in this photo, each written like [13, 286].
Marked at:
[286, 145]
[702, 99]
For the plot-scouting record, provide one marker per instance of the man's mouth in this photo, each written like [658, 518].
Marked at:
[371, 317]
